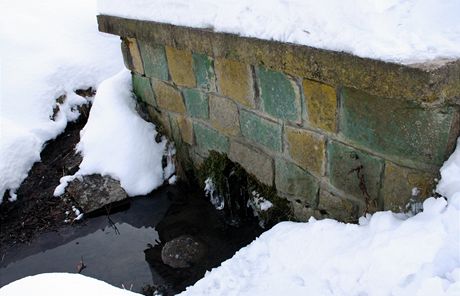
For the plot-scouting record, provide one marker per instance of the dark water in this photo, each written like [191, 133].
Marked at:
[124, 248]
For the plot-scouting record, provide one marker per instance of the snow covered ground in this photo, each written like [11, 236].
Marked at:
[48, 48]
[51, 48]
[403, 31]
[60, 284]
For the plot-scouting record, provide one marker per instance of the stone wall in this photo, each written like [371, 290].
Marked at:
[336, 134]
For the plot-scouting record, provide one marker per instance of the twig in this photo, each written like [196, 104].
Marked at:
[81, 265]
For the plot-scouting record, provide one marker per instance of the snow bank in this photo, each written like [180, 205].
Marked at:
[117, 142]
[386, 254]
[404, 31]
[48, 48]
[449, 185]
[59, 284]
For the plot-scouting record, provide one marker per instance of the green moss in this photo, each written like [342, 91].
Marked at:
[236, 185]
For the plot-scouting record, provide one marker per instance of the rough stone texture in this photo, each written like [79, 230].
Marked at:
[223, 114]
[254, 162]
[384, 118]
[143, 89]
[422, 82]
[204, 72]
[293, 180]
[182, 252]
[396, 128]
[154, 60]
[336, 207]
[180, 66]
[210, 139]
[168, 97]
[302, 212]
[321, 102]
[132, 55]
[235, 81]
[279, 95]
[196, 102]
[185, 128]
[161, 120]
[261, 130]
[398, 184]
[343, 164]
[95, 191]
[307, 149]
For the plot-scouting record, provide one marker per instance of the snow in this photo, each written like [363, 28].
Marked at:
[403, 31]
[449, 185]
[117, 142]
[58, 284]
[385, 254]
[51, 48]
[48, 48]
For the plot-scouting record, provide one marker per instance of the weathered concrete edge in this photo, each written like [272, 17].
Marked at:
[418, 83]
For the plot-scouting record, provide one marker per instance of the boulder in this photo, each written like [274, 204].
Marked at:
[95, 191]
[182, 252]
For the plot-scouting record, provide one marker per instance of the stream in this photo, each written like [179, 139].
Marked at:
[124, 247]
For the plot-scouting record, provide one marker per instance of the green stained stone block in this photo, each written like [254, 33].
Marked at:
[196, 103]
[293, 180]
[154, 59]
[210, 139]
[396, 128]
[261, 130]
[143, 89]
[279, 95]
[204, 72]
[348, 166]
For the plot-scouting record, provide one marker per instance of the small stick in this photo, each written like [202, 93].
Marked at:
[81, 265]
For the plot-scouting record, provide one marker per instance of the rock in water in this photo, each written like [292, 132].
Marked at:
[95, 191]
[182, 252]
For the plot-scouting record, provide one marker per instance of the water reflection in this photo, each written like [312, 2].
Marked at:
[117, 258]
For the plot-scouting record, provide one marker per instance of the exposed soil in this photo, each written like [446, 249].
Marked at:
[36, 209]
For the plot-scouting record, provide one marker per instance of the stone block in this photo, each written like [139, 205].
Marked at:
[261, 130]
[333, 206]
[132, 55]
[399, 183]
[307, 149]
[154, 60]
[161, 120]
[185, 128]
[235, 81]
[254, 162]
[180, 66]
[321, 102]
[210, 139]
[302, 212]
[396, 128]
[168, 97]
[279, 95]
[143, 89]
[295, 181]
[355, 172]
[204, 72]
[196, 102]
[223, 114]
